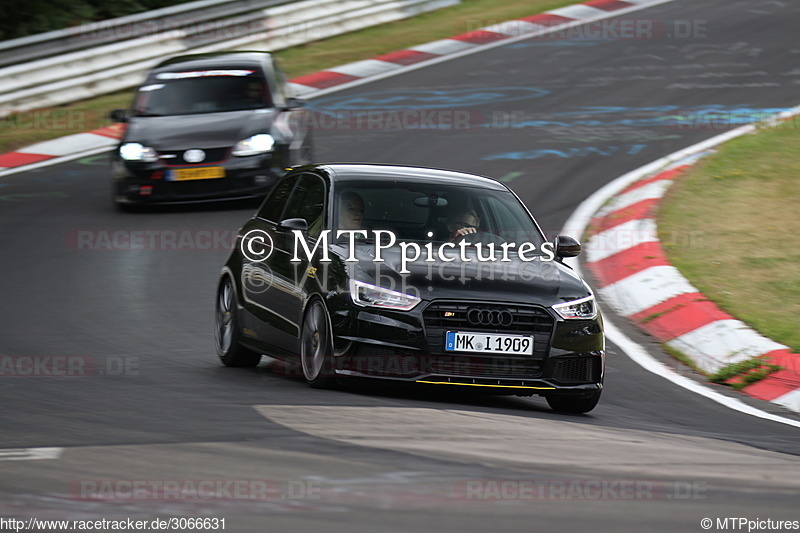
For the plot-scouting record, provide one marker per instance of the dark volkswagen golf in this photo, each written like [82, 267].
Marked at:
[414, 275]
[209, 126]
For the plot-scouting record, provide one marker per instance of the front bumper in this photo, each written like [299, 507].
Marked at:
[147, 183]
[569, 356]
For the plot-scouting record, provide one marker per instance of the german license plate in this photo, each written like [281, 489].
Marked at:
[204, 173]
[465, 341]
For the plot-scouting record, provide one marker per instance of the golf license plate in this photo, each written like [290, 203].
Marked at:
[465, 341]
[186, 174]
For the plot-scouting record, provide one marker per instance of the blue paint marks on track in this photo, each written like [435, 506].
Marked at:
[569, 153]
[426, 99]
[701, 117]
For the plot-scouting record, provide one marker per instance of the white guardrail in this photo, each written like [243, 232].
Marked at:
[101, 57]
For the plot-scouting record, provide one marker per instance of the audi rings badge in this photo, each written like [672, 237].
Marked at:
[489, 317]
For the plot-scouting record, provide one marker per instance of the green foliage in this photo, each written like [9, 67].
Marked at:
[21, 19]
[750, 371]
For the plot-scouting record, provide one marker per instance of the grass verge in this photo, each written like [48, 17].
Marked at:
[26, 128]
[740, 375]
[738, 212]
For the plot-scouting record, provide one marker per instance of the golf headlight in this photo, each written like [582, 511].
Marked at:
[257, 144]
[582, 309]
[373, 296]
[137, 152]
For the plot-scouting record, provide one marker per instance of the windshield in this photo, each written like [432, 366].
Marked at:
[414, 212]
[203, 91]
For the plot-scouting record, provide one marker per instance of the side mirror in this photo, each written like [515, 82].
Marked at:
[119, 115]
[293, 224]
[566, 246]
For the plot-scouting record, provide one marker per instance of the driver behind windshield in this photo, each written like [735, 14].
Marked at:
[463, 223]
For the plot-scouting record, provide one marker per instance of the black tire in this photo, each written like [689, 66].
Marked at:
[226, 330]
[316, 347]
[123, 207]
[117, 199]
[574, 404]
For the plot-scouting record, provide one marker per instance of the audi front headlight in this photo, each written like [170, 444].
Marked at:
[257, 144]
[581, 309]
[373, 296]
[137, 152]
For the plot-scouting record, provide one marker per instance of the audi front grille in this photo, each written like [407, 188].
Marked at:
[443, 316]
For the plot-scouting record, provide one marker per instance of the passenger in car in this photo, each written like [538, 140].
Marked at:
[351, 211]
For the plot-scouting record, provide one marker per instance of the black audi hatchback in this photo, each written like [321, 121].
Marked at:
[208, 126]
[410, 274]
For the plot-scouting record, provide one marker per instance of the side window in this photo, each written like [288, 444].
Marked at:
[308, 202]
[504, 216]
[273, 206]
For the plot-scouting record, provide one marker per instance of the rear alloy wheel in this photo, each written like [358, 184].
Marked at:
[316, 347]
[226, 331]
[573, 404]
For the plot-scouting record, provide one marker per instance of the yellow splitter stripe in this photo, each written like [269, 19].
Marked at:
[482, 385]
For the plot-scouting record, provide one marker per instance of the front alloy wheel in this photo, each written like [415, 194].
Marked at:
[316, 347]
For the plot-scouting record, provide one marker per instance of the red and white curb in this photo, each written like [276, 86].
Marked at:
[636, 280]
[30, 454]
[61, 149]
[97, 141]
